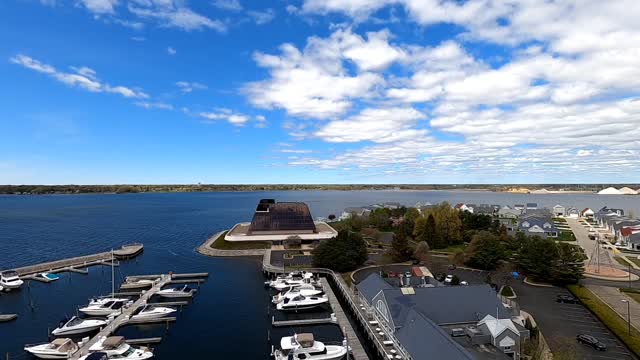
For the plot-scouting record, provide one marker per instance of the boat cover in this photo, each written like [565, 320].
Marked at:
[113, 342]
[305, 340]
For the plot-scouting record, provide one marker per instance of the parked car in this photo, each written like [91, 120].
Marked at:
[464, 283]
[440, 276]
[567, 299]
[448, 279]
[591, 341]
[407, 274]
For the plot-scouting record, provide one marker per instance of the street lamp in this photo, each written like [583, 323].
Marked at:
[628, 313]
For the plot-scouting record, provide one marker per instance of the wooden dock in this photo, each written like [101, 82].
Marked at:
[78, 264]
[123, 318]
[357, 350]
[303, 322]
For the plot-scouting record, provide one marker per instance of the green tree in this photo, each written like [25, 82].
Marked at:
[568, 267]
[380, 219]
[485, 251]
[411, 216]
[422, 252]
[400, 249]
[345, 252]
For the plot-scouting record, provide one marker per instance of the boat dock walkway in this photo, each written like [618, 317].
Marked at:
[123, 318]
[303, 322]
[77, 264]
[357, 350]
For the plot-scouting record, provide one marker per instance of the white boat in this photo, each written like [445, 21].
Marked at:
[133, 283]
[185, 292]
[116, 348]
[78, 326]
[303, 346]
[95, 356]
[48, 277]
[300, 302]
[105, 307]
[304, 290]
[61, 348]
[293, 280]
[152, 312]
[9, 279]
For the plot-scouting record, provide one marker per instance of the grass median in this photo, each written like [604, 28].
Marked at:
[609, 318]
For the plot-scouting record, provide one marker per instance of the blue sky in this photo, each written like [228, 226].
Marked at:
[310, 91]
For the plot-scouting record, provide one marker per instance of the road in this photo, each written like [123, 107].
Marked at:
[582, 236]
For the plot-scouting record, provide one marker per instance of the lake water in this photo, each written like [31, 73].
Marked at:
[231, 315]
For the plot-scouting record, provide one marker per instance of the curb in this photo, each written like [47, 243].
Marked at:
[529, 282]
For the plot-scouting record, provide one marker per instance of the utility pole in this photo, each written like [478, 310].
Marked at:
[628, 313]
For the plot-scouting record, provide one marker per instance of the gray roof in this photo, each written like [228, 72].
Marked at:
[634, 238]
[447, 304]
[371, 286]
[423, 339]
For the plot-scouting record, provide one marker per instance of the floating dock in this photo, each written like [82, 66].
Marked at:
[123, 318]
[303, 322]
[78, 264]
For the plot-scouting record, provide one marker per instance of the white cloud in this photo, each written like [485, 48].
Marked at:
[100, 6]
[173, 13]
[171, 51]
[83, 77]
[291, 9]
[262, 17]
[377, 125]
[154, 105]
[187, 87]
[234, 118]
[231, 5]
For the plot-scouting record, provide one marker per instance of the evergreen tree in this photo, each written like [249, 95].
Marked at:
[345, 252]
[400, 247]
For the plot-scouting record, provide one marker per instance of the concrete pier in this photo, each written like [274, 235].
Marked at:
[303, 322]
[73, 264]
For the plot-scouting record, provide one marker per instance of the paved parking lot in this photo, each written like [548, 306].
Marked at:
[560, 323]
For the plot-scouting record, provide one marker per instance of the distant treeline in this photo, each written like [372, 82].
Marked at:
[121, 189]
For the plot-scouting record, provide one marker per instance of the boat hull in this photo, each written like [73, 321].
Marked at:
[75, 331]
[334, 352]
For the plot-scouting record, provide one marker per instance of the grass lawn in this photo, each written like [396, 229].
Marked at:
[452, 248]
[559, 220]
[610, 318]
[621, 261]
[506, 291]
[634, 259]
[221, 244]
[632, 293]
[566, 236]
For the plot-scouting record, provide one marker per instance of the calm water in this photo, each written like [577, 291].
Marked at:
[231, 314]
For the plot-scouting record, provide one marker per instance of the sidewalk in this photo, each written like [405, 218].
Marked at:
[613, 297]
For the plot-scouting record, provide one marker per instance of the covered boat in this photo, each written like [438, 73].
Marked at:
[116, 348]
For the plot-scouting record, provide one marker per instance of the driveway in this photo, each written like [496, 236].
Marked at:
[589, 246]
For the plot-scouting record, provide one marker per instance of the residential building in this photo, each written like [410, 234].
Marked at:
[587, 213]
[509, 213]
[484, 210]
[519, 206]
[532, 206]
[423, 320]
[463, 207]
[559, 210]
[538, 224]
[279, 222]
[573, 212]
[357, 211]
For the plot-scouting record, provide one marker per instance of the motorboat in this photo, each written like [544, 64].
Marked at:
[133, 283]
[300, 302]
[152, 312]
[115, 347]
[95, 356]
[283, 283]
[185, 292]
[76, 325]
[304, 290]
[61, 348]
[303, 346]
[47, 277]
[105, 307]
[9, 279]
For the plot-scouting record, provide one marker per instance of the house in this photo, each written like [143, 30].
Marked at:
[509, 213]
[425, 208]
[573, 212]
[357, 211]
[519, 206]
[392, 205]
[484, 210]
[463, 207]
[538, 224]
[630, 237]
[532, 206]
[587, 213]
[559, 210]
[633, 241]
[605, 209]
[423, 319]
